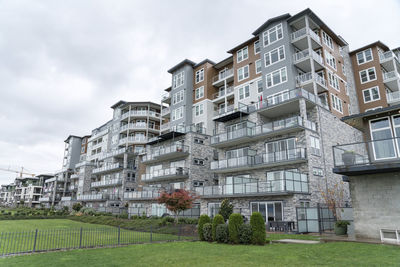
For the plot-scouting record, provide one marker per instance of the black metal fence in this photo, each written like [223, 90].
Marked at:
[13, 243]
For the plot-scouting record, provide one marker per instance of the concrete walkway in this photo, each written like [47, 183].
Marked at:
[296, 241]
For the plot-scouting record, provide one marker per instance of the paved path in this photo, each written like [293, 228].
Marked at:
[296, 241]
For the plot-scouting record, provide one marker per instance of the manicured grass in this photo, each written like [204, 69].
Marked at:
[206, 254]
[273, 236]
[42, 224]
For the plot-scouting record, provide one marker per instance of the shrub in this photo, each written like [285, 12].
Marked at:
[258, 228]
[202, 220]
[235, 220]
[221, 235]
[88, 211]
[342, 223]
[245, 234]
[77, 206]
[218, 219]
[207, 232]
[226, 209]
[184, 220]
[166, 221]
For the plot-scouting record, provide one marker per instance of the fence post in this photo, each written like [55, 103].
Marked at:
[34, 242]
[119, 234]
[151, 234]
[80, 239]
[179, 231]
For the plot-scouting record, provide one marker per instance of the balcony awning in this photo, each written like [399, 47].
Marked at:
[166, 136]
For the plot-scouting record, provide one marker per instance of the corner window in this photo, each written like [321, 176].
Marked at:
[257, 47]
[276, 77]
[327, 40]
[272, 35]
[178, 80]
[337, 103]
[274, 56]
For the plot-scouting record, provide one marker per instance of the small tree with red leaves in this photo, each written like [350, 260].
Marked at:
[177, 201]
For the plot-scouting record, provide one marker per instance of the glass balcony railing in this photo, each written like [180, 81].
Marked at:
[389, 75]
[303, 32]
[166, 173]
[109, 167]
[140, 113]
[223, 93]
[92, 197]
[223, 75]
[110, 182]
[141, 195]
[260, 160]
[367, 153]
[393, 97]
[164, 151]
[388, 56]
[288, 182]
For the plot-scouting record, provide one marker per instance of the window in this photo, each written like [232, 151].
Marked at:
[276, 77]
[199, 75]
[385, 147]
[281, 150]
[330, 59]
[346, 88]
[364, 56]
[199, 162]
[177, 97]
[327, 40]
[371, 94]
[242, 54]
[244, 92]
[177, 114]
[199, 109]
[178, 80]
[343, 69]
[272, 211]
[198, 141]
[257, 47]
[333, 81]
[337, 103]
[258, 66]
[367, 75]
[315, 145]
[213, 209]
[272, 35]
[199, 92]
[243, 73]
[260, 88]
[318, 171]
[274, 56]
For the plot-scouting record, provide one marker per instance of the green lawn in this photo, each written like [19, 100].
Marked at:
[206, 254]
[19, 235]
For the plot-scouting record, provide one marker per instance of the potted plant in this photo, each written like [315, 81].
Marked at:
[341, 227]
[349, 157]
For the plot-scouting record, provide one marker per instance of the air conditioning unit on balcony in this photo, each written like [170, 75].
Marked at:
[198, 183]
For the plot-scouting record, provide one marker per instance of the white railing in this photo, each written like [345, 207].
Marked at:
[91, 197]
[304, 31]
[132, 139]
[393, 97]
[65, 199]
[222, 93]
[141, 194]
[44, 199]
[133, 126]
[115, 181]
[165, 111]
[307, 77]
[222, 111]
[165, 96]
[107, 167]
[223, 75]
[165, 126]
[317, 57]
[301, 55]
[170, 172]
[387, 56]
[389, 75]
[112, 153]
[74, 176]
[97, 135]
[160, 151]
[140, 113]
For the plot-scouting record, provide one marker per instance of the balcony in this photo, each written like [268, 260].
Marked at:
[230, 112]
[93, 197]
[105, 183]
[97, 135]
[141, 195]
[292, 156]
[66, 198]
[166, 98]
[302, 60]
[108, 168]
[306, 81]
[170, 152]
[140, 113]
[73, 187]
[393, 98]
[285, 103]
[389, 61]
[220, 96]
[132, 140]
[298, 39]
[44, 199]
[166, 111]
[289, 183]
[164, 127]
[174, 173]
[74, 176]
[220, 79]
[391, 80]
[377, 156]
[116, 153]
[133, 126]
[254, 132]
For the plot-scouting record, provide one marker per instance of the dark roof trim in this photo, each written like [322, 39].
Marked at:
[252, 39]
[371, 112]
[121, 102]
[224, 62]
[168, 89]
[271, 20]
[204, 61]
[70, 136]
[377, 43]
[180, 64]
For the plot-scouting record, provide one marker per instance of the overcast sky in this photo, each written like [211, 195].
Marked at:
[64, 63]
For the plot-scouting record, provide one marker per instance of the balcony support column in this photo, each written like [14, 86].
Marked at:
[225, 97]
[303, 109]
[311, 59]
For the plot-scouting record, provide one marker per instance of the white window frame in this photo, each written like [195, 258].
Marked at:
[200, 75]
[199, 109]
[266, 34]
[178, 80]
[178, 97]
[255, 47]
[333, 81]
[199, 92]
[271, 74]
[327, 40]
[258, 87]
[337, 103]
[244, 92]
[390, 127]
[177, 114]
[370, 92]
[330, 60]
[242, 69]
[315, 145]
[258, 62]
[241, 55]
[367, 71]
[276, 50]
[364, 57]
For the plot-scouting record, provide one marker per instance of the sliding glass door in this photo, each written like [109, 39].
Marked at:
[383, 145]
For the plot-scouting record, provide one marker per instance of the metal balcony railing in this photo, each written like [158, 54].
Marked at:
[107, 167]
[389, 75]
[161, 151]
[132, 139]
[387, 56]
[140, 113]
[393, 97]
[169, 172]
[141, 195]
[223, 93]
[110, 182]
[89, 197]
[367, 153]
[303, 32]
[220, 77]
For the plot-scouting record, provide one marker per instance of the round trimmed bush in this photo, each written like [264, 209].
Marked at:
[202, 220]
[258, 228]
[218, 219]
[245, 234]
[222, 233]
[235, 220]
[207, 232]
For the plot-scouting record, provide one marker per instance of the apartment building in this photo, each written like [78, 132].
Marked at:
[377, 76]
[7, 194]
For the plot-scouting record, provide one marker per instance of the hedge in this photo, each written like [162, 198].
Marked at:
[202, 220]
[258, 228]
[207, 232]
[218, 219]
[222, 233]
[235, 220]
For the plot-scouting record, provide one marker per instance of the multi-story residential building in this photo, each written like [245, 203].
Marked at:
[377, 76]
[7, 194]
[28, 190]
[372, 168]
